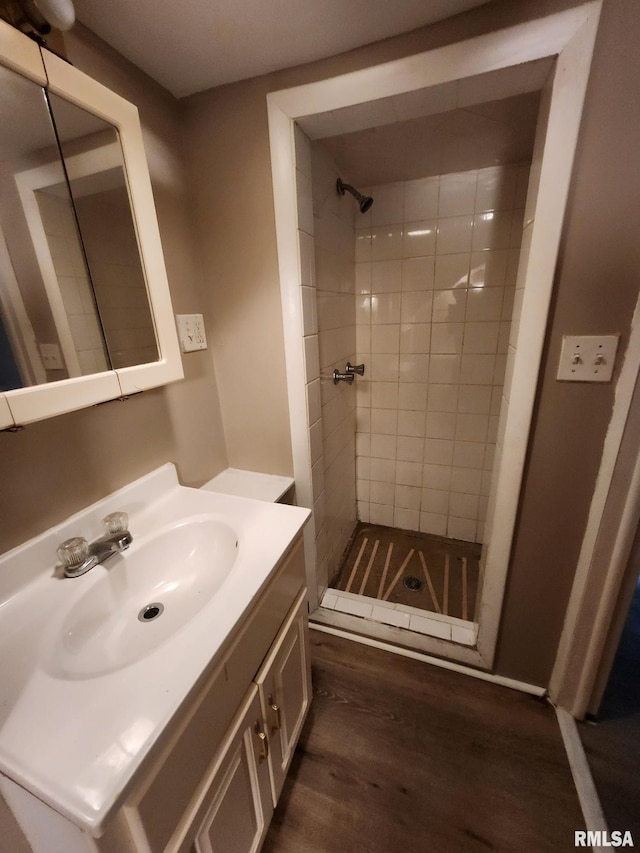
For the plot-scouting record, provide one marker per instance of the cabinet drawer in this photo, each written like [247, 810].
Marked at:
[158, 806]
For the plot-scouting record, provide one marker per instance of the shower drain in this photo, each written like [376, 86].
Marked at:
[413, 583]
[151, 611]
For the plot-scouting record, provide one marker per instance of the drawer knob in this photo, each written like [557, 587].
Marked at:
[276, 710]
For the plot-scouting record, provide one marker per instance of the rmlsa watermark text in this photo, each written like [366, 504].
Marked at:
[603, 839]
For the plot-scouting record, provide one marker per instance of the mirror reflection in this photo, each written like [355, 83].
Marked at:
[73, 298]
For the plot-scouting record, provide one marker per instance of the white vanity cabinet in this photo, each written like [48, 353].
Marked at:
[214, 783]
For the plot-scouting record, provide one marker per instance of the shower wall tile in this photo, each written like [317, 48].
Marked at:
[336, 246]
[435, 289]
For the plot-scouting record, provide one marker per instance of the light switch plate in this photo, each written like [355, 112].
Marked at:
[191, 332]
[51, 357]
[587, 358]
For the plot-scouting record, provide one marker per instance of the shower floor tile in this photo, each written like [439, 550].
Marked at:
[414, 570]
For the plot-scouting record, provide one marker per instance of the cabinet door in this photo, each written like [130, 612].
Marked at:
[238, 805]
[284, 681]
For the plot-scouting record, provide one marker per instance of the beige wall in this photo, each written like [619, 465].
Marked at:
[231, 186]
[55, 467]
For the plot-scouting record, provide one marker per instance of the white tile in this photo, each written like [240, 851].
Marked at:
[384, 395]
[469, 454]
[381, 493]
[489, 268]
[412, 395]
[363, 244]
[445, 369]
[461, 528]
[466, 481]
[414, 337]
[435, 501]
[481, 338]
[409, 473]
[305, 202]
[474, 399]
[418, 273]
[471, 427]
[431, 627]
[309, 312]
[314, 407]
[409, 449]
[463, 505]
[451, 271]
[386, 276]
[307, 259]
[492, 230]
[383, 367]
[416, 306]
[362, 491]
[449, 306]
[383, 446]
[385, 308]
[433, 523]
[411, 423]
[457, 193]
[438, 451]
[442, 398]
[414, 367]
[419, 238]
[355, 608]
[384, 421]
[386, 242]
[381, 514]
[484, 304]
[363, 277]
[421, 199]
[496, 188]
[383, 470]
[407, 497]
[436, 477]
[441, 425]
[454, 235]
[389, 204]
[385, 338]
[448, 338]
[390, 617]
[329, 600]
[463, 635]
[406, 519]
[476, 369]
[303, 151]
[311, 358]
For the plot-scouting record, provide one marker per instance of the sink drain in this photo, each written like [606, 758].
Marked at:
[151, 611]
[413, 583]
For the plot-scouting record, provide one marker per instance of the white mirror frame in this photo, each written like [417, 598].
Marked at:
[25, 405]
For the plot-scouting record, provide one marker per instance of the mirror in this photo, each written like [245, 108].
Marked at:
[85, 312]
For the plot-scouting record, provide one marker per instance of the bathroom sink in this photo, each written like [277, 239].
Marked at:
[142, 597]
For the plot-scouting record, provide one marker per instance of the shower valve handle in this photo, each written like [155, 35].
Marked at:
[342, 377]
[355, 368]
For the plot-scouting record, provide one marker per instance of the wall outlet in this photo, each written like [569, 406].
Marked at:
[51, 356]
[587, 358]
[191, 332]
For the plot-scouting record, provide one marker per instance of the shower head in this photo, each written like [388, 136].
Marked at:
[365, 201]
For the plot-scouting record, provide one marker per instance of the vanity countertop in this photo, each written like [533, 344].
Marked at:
[75, 738]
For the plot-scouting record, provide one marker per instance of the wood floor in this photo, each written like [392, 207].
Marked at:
[401, 757]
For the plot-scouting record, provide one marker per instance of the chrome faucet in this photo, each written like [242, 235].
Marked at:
[78, 556]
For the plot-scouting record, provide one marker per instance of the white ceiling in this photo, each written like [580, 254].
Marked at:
[192, 46]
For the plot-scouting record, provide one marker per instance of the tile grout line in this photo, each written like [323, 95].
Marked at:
[465, 613]
[445, 591]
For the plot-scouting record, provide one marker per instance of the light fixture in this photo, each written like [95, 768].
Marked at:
[38, 15]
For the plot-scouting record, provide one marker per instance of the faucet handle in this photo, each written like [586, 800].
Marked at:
[116, 522]
[73, 553]
[355, 368]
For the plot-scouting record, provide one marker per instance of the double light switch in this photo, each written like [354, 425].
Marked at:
[587, 358]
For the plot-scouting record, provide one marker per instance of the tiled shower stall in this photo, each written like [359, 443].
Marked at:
[421, 289]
